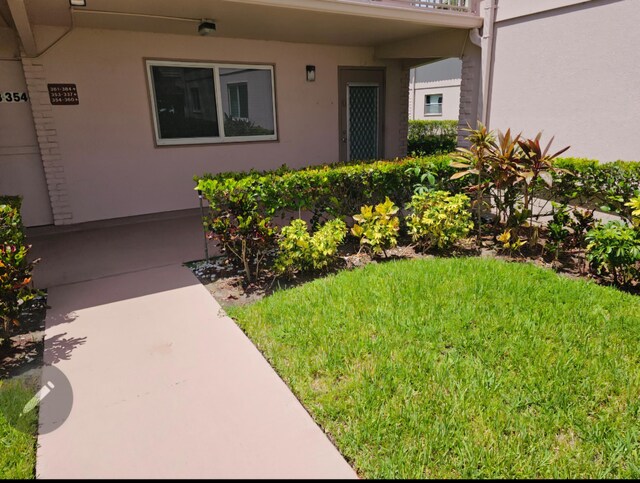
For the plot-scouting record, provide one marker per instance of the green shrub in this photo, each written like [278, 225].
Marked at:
[336, 190]
[15, 269]
[591, 184]
[568, 228]
[583, 221]
[242, 205]
[299, 250]
[377, 227]
[614, 247]
[439, 219]
[432, 137]
[325, 242]
[558, 228]
[240, 221]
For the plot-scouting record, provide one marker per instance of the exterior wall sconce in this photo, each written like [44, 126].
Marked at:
[311, 73]
[206, 27]
[78, 3]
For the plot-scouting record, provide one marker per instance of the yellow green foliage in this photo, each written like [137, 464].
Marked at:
[439, 219]
[377, 227]
[299, 250]
[510, 241]
[634, 204]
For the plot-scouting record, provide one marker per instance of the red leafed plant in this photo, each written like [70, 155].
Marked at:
[15, 269]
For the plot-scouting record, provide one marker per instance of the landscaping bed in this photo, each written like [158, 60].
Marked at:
[226, 281]
[515, 196]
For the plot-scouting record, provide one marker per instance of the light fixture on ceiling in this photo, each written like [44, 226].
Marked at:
[78, 3]
[207, 27]
[311, 73]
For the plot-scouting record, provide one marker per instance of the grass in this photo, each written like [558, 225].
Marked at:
[17, 434]
[468, 368]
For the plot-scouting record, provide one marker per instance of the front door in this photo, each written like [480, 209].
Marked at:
[361, 113]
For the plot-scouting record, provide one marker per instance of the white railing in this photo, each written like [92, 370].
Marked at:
[465, 6]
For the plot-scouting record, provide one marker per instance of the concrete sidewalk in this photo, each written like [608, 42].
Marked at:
[165, 385]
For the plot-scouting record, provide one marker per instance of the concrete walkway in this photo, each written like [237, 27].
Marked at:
[165, 385]
[93, 250]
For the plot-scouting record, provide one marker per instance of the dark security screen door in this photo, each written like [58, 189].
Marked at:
[361, 122]
[362, 129]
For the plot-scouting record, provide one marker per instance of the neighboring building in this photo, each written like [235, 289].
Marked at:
[570, 68]
[434, 91]
[109, 108]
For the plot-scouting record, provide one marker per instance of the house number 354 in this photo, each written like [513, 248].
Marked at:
[13, 97]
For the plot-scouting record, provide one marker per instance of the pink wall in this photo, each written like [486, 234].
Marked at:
[572, 72]
[21, 171]
[111, 164]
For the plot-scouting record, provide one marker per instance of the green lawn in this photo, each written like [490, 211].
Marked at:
[17, 433]
[462, 368]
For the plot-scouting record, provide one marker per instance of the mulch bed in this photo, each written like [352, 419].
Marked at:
[25, 351]
[225, 280]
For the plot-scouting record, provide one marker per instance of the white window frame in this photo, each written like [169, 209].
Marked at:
[441, 104]
[235, 84]
[215, 68]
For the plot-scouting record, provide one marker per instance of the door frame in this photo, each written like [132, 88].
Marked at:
[348, 75]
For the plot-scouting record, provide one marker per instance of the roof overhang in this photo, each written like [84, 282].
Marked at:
[334, 22]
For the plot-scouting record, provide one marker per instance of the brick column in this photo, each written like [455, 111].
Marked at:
[470, 91]
[404, 112]
[47, 141]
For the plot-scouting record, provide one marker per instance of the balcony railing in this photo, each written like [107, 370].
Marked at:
[463, 6]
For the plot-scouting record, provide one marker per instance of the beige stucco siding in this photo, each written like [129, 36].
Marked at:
[111, 163]
[572, 72]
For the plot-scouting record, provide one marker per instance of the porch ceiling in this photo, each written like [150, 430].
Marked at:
[307, 21]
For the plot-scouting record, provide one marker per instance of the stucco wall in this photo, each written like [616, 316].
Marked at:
[572, 72]
[21, 171]
[106, 142]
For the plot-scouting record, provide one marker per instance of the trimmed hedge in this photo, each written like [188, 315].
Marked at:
[336, 190]
[603, 186]
[340, 189]
[431, 137]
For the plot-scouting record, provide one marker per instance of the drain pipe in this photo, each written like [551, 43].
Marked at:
[485, 42]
